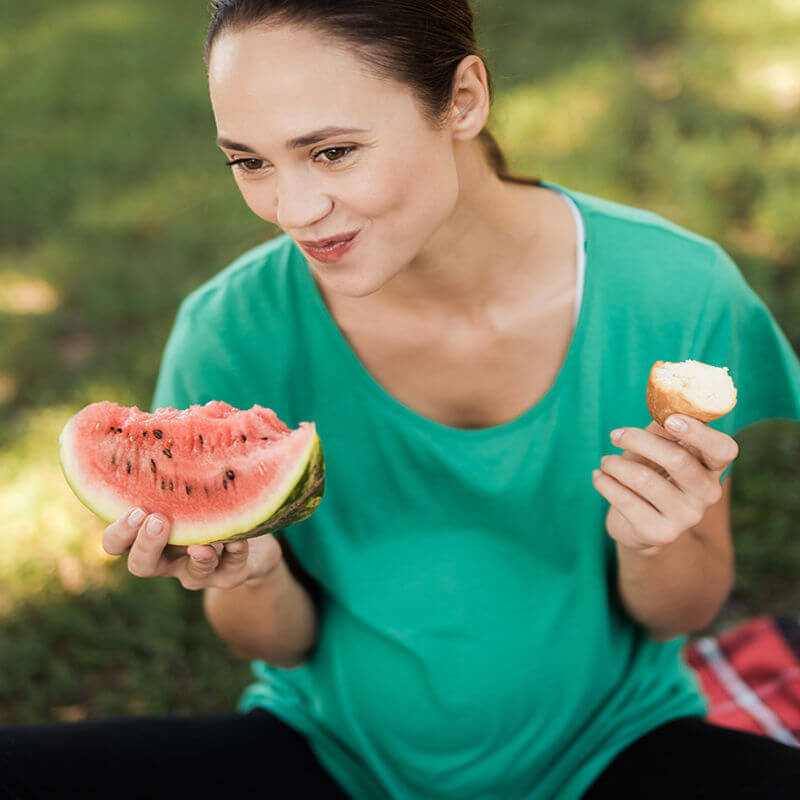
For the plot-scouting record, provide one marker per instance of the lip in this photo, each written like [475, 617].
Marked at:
[321, 243]
[329, 253]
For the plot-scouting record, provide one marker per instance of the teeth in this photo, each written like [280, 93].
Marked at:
[330, 244]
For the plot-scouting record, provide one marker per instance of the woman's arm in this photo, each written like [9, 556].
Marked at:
[682, 588]
[273, 618]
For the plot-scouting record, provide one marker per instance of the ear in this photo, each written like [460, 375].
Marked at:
[470, 101]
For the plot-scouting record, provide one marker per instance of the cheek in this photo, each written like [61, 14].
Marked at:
[259, 199]
[410, 200]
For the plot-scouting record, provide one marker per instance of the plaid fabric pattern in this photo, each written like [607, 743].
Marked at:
[751, 676]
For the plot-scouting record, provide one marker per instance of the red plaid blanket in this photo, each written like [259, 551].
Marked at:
[751, 676]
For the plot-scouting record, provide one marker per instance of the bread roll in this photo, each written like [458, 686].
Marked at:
[692, 388]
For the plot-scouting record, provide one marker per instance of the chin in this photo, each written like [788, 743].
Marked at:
[358, 282]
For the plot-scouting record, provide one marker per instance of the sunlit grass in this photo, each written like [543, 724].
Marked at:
[71, 19]
[55, 539]
[555, 117]
[23, 295]
[741, 20]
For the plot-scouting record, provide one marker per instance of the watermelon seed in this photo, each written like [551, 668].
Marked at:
[129, 468]
[224, 483]
[188, 489]
[158, 434]
[119, 430]
[113, 461]
[111, 428]
[200, 437]
[167, 453]
[171, 486]
[144, 433]
[152, 465]
[206, 488]
[244, 438]
[229, 473]
[163, 484]
[265, 438]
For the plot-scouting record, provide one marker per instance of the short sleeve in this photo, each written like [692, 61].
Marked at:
[738, 331]
[196, 366]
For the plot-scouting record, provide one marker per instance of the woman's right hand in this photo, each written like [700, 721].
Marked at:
[196, 566]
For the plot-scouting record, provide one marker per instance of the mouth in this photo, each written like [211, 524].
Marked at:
[321, 244]
[332, 249]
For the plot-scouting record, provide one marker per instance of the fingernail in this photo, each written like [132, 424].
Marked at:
[616, 434]
[676, 424]
[136, 516]
[154, 526]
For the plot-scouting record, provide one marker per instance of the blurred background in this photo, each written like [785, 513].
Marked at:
[115, 204]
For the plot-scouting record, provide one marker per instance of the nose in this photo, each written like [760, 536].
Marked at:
[299, 203]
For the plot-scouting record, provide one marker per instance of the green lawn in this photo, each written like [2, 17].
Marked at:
[116, 204]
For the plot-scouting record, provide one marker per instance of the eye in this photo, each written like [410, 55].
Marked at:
[344, 151]
[238, 162]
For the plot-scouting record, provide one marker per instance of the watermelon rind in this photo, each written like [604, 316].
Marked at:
[295, 500]
[300, 503]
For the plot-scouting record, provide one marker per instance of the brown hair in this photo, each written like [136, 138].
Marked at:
[419, 44]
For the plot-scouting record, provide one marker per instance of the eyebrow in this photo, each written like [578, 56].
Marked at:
[294, 144]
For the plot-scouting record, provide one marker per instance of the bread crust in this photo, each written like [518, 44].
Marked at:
[662, 401]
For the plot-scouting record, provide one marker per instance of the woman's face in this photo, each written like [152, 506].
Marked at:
[394, 180]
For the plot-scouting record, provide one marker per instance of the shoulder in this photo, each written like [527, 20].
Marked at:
[640, 233]
[253, 283]
[640, 253]
[229, 337]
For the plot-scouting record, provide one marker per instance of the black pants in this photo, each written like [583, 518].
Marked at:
[220, 755]
[692, 759]
[215, 756]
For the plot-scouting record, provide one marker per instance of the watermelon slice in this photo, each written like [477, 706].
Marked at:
[217, 473]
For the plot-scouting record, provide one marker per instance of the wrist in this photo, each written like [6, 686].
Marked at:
[262, 579]
[644, 552]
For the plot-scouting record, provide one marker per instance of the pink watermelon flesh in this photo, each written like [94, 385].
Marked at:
[217, 473]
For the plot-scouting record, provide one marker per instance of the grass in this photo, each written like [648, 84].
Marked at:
[116, 204]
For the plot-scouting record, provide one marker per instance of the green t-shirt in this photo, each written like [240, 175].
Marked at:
[472, 641]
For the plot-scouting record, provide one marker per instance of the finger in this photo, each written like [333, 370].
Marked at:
[225, 570]
[194, 565]
[199, 567]
[658, 430]
[202, 551]
[119, 535]
[145, 555]
[683, 467]
[672, 504]
[638, 512]
[637, 459]
[233, 559]
[716, 449]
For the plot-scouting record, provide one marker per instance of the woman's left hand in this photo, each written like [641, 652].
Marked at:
[663, 483]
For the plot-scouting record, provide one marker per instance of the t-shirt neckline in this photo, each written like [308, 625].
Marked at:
[433, 427]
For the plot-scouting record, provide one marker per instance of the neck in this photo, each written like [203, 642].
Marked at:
[479, 256]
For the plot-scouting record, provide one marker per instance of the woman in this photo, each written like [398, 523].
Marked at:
[469, 613]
